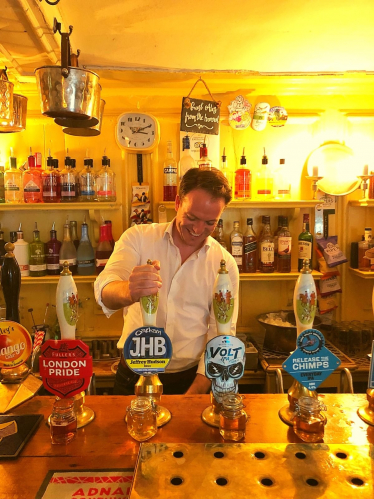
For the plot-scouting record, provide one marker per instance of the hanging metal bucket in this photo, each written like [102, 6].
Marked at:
[88, 132]
[90, 122]
[6, 100]
[18, 123]
[70, 97]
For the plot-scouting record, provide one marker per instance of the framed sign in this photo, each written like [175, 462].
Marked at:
[200, 116]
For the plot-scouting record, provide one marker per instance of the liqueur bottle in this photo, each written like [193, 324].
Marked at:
[68, 182]
[106, 182]
[305, 243]
[13, 183]
[2, 246]
[243, 180]
[68, 252]
[32, 182]
[236, 238]
[264, 180]
[51, 183]
[250, 249]
[38, 267]
[284, 248]
[73, 233]
[104, 249]
[22, 253]
[53, 247]
[186, 161]
[218, 234]
[87, 181]
[170, 174]
[85, 253]
[11, 283]
[267, 249]
[204, 162]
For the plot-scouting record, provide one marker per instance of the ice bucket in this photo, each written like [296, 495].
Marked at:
[18, 123]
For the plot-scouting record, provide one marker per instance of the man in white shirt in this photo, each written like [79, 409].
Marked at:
[185, 261]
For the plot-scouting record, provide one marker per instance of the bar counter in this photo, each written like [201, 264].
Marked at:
[105, 443]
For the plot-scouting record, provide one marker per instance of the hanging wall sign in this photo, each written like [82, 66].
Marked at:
[277, 116]
[311, 363]
[65, 367]
[147, 350]
[15, 344]
[239, 117]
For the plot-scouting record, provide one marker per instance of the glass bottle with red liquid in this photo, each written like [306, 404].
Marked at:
[51, 182]
[104, 249]
[32, 182]
[243, 180]
[53, 247]
[110, 235]
[204, 162]
[170, 174]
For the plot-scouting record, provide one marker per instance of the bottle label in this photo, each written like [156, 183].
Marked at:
[170, 176]
[71, 261]
[85, 192]
[243, 183]
[101, 262]
[250, 247]
[284, 246]
[267, 253]
[86, 263]
[264, 191]
[31, 186]
[205, 166]
[49, 194]
[305, 250]
[10, 186]
[24, 268]
[53, 266]
[68, 190]
[237, 246]
[37, 268]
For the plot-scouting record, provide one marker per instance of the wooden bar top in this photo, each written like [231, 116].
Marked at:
[105, 443]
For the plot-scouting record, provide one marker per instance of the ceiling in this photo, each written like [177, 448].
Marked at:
[286, 36]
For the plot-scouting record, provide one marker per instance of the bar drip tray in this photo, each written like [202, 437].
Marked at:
[243, 470]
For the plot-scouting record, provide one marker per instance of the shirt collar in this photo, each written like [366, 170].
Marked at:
[169, 234]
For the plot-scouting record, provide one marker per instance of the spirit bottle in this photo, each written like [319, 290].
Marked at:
[204, 162]
[11, 284]
[236, 238]
[87, 181]
[2, 246]
[363, 262]
[53, 247]
[22, 253]
[243, 180]
[250, 249]
[74, 234]
[32, 182]
[85, 253]
[284, 248]
[267, 249]
[67, 182]
[170, 174]
[218, 234]
[106, 182]
[276, 234]
[283, 186]
[104, 249]
[68, 253]
[38, 267]
[305, 243]
[13, 183]
[186, 161]
[2, 188]
[76, 175]
[225, 169]
[51, 183]
[264, 180]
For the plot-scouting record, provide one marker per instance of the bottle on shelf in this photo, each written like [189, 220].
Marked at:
[170, 174]
[2, 188]
[13, 183]
[11, 284]
[32, 182]
[284, 248]
[51, 182]
[250, 249]
[109, 229]
[53, 247]
[276, 234]
[305, 244]
[73, 163]
[186, 161]
[106, 182]
[104, 249]
[74, 233]
[38, 266]
[68, 182]
[243, 180]
[204, 162]
[264, 180]
[218, 234]
[225, 169]
[267, 249]
[13, 236]
[364, 263]
[283, 186]
[85, 253]
[87, 181]
[68, 252]
[2, 246]
[236, 239]
[22, 253]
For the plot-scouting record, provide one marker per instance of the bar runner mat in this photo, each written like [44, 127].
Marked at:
[15, 431]
[92, 484]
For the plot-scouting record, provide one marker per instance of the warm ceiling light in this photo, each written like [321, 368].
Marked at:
[6, 98]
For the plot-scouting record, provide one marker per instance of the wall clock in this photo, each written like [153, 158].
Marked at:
[137, 132]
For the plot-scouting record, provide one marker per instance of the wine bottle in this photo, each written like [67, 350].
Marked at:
[85, 253]
[38, 267]
[305, 241]
[11, 283]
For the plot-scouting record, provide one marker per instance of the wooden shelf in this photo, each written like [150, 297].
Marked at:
[59, 206]
[271, 203]
[276, 276]
[362, 202]
[53, 279]
[362, 273]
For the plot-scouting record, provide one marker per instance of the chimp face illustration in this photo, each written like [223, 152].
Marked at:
[224, 364]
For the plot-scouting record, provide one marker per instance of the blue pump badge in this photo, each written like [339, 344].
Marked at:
[311, 363]
[147, 350]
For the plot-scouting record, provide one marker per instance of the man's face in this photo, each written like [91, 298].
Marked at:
[197, 217]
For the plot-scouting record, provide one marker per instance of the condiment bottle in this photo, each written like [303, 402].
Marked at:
[232, 418]
[309, 423]
[63, 421]
[141, 419]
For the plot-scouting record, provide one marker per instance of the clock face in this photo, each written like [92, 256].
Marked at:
[137, 131]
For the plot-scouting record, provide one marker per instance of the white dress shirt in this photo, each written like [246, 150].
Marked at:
[185, 299]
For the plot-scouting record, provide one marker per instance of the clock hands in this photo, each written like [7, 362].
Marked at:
[138, 129]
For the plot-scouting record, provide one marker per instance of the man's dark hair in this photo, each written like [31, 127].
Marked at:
[212, 181]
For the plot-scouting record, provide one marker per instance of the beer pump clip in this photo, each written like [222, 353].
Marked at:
[147, 352]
